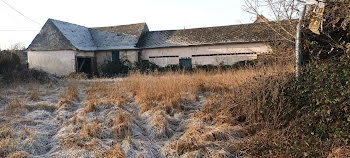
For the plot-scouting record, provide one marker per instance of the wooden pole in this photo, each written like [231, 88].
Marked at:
[298, 53]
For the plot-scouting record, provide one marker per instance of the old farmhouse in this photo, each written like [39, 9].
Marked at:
[62, 48]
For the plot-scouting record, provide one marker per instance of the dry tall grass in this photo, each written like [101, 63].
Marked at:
[18, 154]
[15, 106]
[7, 144]
[114, 152]
[234, 99]
[121, 125]
[69, 95]
[169, 91]
[34, 93]
[105, 93]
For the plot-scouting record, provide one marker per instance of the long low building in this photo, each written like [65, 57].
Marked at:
[62, 48]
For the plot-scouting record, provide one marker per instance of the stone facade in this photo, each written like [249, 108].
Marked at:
[227, 54]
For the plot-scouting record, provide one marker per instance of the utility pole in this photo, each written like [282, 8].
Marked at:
[298, 53]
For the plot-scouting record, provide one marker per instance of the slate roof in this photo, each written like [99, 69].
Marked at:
[255, 32]
[59, 35]
[78, 36]
[112, 41]
[132, 29]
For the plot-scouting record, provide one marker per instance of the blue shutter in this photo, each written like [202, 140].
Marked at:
[186, 63]
[115, 56]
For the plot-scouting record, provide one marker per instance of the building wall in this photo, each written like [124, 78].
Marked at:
[103, 57]
[85, 54]
[54, 62]
[227, 54]
[130, 55]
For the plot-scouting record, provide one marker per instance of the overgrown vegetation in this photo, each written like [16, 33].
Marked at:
[254, 111]
[308, 117]
[12, 70]
[115, 68]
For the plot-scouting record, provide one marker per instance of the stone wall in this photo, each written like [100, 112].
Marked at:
[226, 54]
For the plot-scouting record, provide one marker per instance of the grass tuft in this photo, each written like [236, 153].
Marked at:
[121, 125]
[18, 154]
[69, 95]
[90, 130]
[115, 152]
[104, 94]
[41, 106]
[14, 106]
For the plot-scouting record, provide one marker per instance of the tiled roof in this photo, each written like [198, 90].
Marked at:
[112, 41]
[256, 32]
[132, 29]
[72, 36]
[78, 36]
[59, 35]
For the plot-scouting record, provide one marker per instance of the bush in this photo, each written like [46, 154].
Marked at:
[146, 67]
[11, 70]
[238, 65]
[27, 75]
[115, 68]
[304, 117]
[10, 64]
[334, 37]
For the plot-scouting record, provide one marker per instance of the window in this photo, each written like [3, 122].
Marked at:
[115, 56]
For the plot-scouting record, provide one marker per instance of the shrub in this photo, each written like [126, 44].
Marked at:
[11, 69]
[149, 67]
[146, 66]
[290, 118]
[115, 68]
[9, 62]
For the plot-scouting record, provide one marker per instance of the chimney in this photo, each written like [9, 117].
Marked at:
[261, 18]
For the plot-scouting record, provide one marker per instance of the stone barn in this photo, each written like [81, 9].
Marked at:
[62, 48]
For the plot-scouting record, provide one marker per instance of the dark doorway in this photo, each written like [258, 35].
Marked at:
[84, 65]
[186, 63]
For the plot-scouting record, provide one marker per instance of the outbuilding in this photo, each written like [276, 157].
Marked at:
[62, 48]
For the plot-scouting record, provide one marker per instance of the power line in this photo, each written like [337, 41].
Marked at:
[20, 13]
[16, 30]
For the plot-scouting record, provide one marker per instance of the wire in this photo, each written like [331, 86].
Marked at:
[20, 12]
[16, 30]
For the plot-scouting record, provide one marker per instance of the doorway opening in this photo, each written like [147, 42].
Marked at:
[84, 65]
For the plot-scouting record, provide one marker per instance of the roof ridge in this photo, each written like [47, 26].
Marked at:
[118, 25]
[117, 33]
[221, 26]
[66, 22]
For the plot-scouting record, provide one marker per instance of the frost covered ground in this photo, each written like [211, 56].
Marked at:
[99, 118]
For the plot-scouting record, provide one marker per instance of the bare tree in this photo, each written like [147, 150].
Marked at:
[17, 46]
[281, 12]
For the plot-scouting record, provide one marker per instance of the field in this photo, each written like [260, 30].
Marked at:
[158, 115]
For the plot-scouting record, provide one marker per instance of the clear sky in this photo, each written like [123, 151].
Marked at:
[158, 14]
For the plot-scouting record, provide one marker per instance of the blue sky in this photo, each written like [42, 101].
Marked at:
[158, 14]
